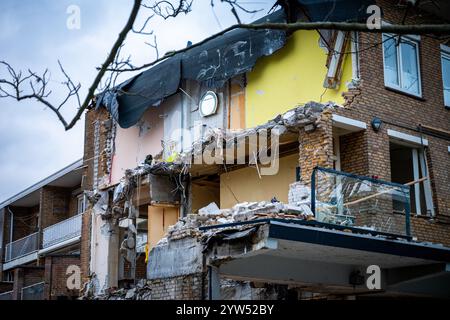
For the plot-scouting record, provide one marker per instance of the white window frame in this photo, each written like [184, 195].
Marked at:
[419, 160]
[354, 38]
[445, 54]
[415, 40]
[81, 198]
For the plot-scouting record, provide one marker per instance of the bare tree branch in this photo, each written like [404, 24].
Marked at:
[38, 84]
[166, 9]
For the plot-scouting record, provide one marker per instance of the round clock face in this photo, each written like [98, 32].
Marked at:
[208, 104]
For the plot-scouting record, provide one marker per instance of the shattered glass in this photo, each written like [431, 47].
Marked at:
[362, 202]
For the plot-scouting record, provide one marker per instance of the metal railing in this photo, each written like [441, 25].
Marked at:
[351, 200]
[62, 231]
[22, 247]
[6, 295]
[33, 292]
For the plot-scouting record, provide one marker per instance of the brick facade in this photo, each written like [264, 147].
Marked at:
[92, 118]
[316, 148]
[26, 276]
[368, 153]
[188, 287]
[54, 205]
[56, 267]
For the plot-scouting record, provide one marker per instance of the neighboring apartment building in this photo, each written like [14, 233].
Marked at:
[40, 231]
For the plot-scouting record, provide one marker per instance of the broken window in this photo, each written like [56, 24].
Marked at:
[335, 61]
[409, 166]
[401, 63]
[350, 200]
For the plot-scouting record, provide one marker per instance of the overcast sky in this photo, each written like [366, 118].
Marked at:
[34, 34]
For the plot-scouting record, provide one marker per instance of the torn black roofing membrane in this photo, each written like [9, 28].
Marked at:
[214, 62]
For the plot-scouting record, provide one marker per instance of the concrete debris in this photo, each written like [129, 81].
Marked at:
[140, 291]
[210, 209]
[211, 215]
[305, 117]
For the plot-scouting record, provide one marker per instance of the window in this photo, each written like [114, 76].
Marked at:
[401, 64]
[81, 204]
[409, 165]
[445, 58]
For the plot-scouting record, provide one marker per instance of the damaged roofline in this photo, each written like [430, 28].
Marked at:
[311, 223]
[212, 63]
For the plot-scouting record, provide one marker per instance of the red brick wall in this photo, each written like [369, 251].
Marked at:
[54, 205]
[353, 153]
[91, 117]
[24, 277]
[401, 112]
[6, 286]
[141, 267]
[56, 277]
[316, 148]
[430, 230]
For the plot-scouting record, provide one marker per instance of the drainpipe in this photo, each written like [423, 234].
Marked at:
[11, 225]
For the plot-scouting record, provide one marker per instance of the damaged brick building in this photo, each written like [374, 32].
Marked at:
[361, 135]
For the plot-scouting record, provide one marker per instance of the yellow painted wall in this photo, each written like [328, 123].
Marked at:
[246, 185]
[203, 195]
[159, 220]
[292, 76]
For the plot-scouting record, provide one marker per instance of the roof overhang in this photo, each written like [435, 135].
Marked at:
[68, 176]
[323, 260]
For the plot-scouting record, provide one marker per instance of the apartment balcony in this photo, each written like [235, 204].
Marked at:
[357, 202]
[61, 234]
[21, 251]
[56, 236]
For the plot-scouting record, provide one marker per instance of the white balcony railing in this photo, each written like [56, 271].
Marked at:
[62, 231]
[21, 247]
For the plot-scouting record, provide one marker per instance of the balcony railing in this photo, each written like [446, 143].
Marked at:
[361, 202]
[62, 231]
[33, 292]
[22, 247]
[6, 295]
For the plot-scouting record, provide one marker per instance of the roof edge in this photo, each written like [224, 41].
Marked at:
[58, 174]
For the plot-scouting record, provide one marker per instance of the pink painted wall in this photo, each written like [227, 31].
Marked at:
[132, 148]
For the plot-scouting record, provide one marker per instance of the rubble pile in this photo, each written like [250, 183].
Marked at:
[305, 117]
[140, 291]
[211, 215]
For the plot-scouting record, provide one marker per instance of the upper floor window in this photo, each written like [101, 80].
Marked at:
[401, 63]
[445, 58]
[81, 203]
